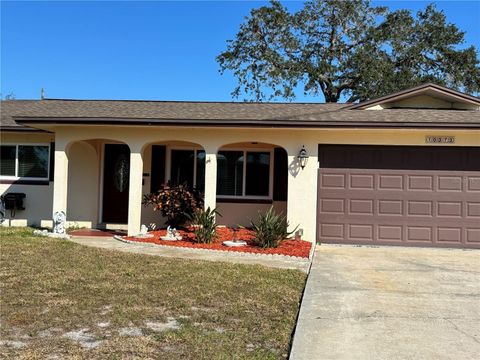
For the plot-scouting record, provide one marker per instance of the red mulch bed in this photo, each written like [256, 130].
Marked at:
[298, 248]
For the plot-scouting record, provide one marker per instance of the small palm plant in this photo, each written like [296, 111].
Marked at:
[271, 228]
[204, 225]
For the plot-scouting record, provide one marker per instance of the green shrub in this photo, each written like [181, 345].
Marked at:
[270, 229]
[176, 202]
[204, 225]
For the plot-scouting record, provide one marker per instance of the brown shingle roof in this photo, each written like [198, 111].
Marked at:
[14, 112]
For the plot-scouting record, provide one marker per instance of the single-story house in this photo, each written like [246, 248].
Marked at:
[403, 169]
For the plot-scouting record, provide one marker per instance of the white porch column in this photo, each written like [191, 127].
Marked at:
[135, 191]
[302, 192]
[60, 186]
[210, 178]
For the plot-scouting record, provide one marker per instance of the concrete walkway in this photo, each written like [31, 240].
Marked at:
[390, 303]
[193, 254]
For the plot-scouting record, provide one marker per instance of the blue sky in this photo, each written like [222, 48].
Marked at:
[140, 50]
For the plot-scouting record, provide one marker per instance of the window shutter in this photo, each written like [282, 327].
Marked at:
[8, 154]
[257, 179]
[157, 172]
[52, 161]
[280, 175]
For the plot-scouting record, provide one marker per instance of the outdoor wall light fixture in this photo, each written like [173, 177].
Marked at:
[303, 157]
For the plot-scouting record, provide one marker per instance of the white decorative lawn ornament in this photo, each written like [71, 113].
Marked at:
[235, 242]
[59, 229]
[144, 232]
[59, 220]
[172, 235]
[232, 243]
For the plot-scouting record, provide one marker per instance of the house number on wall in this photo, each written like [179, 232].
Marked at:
[430, 139]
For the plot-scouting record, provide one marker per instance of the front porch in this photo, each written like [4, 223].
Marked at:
[99, 182]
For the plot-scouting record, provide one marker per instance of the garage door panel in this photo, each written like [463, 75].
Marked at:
[473, 210]
[449, 183]
[336, 206]
[390, 233]
[362, 182]
[420, 208]
[473, 184]
[332, 231]
[449, 235]
[419, 183]
[361, 207]
[473, 236]
[449, 209]
[434, 206]
[333, 181]
[390, 207]
[419, 234]
[390, 182]
[363, 232]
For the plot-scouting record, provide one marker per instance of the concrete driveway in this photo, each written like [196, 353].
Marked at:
[390, 303]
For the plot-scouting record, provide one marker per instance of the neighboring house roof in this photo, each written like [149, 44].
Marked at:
[427, 89]
[15, 113]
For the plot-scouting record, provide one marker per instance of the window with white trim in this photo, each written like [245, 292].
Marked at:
[25, 161]
[242, 173]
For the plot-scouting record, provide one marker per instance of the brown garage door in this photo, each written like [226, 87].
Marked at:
[387, 195]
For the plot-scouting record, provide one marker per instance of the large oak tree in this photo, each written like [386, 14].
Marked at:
[346, 48]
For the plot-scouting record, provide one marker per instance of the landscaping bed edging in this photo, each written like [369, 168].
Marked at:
[230, 252]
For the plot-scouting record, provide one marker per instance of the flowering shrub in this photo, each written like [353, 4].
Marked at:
[176, 202]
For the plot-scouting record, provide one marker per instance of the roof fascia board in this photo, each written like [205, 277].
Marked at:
[21, 129]
[277, 124]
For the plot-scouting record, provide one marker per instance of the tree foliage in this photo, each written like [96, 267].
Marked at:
[346, 48]
[9, 96]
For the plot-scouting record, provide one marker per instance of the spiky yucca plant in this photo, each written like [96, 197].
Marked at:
[271, 228]
[204, 225]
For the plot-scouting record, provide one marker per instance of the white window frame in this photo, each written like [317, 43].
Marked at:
[16, 177]
[244, 177]
[168, 161]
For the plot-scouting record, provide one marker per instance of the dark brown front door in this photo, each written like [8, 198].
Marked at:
[411, 196]
[116, 176]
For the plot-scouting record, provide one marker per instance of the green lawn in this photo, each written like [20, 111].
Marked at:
[63, 300]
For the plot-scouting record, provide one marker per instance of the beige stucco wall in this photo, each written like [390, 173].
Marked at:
[83, 184]
[26, 137]
[38, 204]
[302, 197]
[301, 207]
[241, 214]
